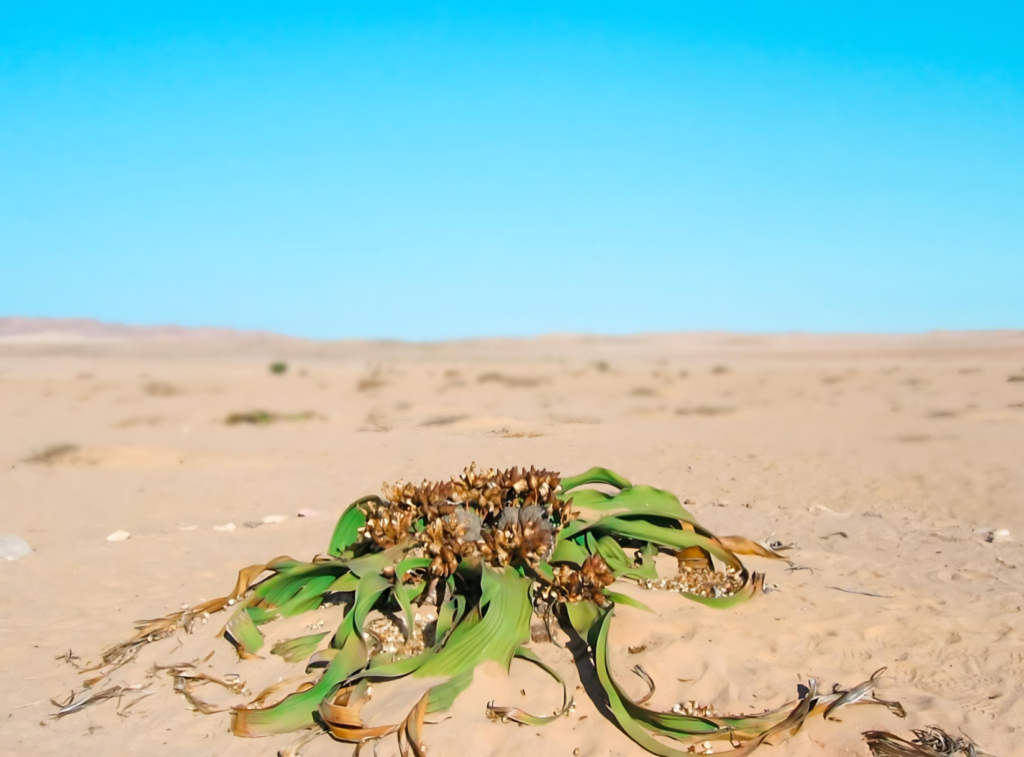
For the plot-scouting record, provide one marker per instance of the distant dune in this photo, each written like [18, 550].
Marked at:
[54, 335]
[76, 330]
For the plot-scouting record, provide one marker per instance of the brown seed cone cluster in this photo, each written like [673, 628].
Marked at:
[386, 525]
[487, 492]
[520, 535]
[448, 539]
[571, 585]
[507, 517]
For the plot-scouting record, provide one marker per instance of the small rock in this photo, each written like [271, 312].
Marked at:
[1002, 535]
[13, 547]
[187, 528]
[274, 518]
[225, 527]
[306, 512]
[119, 536]
[253, 523]
[823, 509]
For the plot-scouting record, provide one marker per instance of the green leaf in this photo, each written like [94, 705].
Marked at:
[295, 650]
[309, 597]
[625, 599]
[612, 554]
[295, 711]
[583, 616]
[596, 476]
[368, 591]
[292, 577]
[243, 632]
[648, 565]
[347, 582]
[668, 537]
[411, 563]
[402, 596]
[443, 696]
[346, 532]
[520, 716]
[569, 552]
[445, 616]
[378, 561]
[590, 499]
[617, 702]
[492, 635]
[636, 501]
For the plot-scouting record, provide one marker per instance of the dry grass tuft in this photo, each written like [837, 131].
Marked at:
[515, 382]
[265, 417]
[443, 420]
[160, 389]
[52, 454]
[706, 410]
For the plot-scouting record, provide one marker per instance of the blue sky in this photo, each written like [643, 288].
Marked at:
[432, 170]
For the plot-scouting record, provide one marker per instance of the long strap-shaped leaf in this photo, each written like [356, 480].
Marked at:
[296, 711]
[596, 476]
[517, 715]
[638, 500]
[754, 730]
[346, 532]
[645, 531]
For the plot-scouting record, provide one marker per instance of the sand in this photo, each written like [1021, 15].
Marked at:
[881, 458]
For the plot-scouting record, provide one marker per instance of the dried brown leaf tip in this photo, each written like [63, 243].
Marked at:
[927, 742]
[587, 583]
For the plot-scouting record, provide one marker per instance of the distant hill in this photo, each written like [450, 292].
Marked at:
[65, 330]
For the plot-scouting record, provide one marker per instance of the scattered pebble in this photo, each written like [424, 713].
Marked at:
[119, 536]
[274, 518]
[13, 547]
[225, 527]
[829, 510]
[306, 512]
[187, 528]
[1000, 536]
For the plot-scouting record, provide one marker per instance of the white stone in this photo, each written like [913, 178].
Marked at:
[119, 536]
[274, 518]
[13, 547]
[225, 527]
[307, 512]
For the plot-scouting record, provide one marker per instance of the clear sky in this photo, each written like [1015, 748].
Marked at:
[430, 170]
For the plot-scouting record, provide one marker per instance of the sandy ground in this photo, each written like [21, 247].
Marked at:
[881, 458]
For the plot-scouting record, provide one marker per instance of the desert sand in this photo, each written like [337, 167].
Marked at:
[890, 462]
